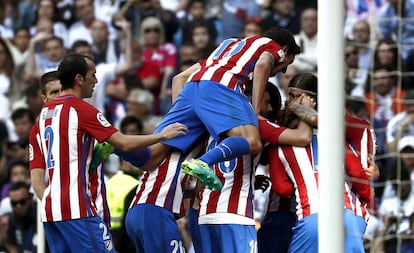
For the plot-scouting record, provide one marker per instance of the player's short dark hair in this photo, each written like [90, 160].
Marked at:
[274, 94]
[72, 65]
[283, 37]
[305, 81]
[46, 78]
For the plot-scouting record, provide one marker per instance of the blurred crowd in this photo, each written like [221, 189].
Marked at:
[168, 36]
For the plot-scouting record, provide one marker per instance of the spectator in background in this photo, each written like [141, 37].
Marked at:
[361, 38]
[155, 49]
[135, 11]
[362, 10]
[395, 210]
[387, 53]
[81, 29]
[177, 6]
[140, 104]
[284, 14]
[6, 72]
[401, 124]
[104, 50]
[202, 39]
[196, 13]
[233, 16]
[18, 171]
[9, 17]
[252, 27]
[394, 22]
[354, 74]
[188, 52]
[105, 10]
[34, 99]
[282, 82]
[4, 140]
[23, 120]
[386, 98]
[23, 225]
[52, 51]
[66, 11]
[306, 61]
[46, 9]
[107, 72]
[19, 45]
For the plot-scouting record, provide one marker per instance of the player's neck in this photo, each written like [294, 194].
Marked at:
[69, 92]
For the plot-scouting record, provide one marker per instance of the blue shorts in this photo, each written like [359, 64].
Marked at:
[207, 106]
[223, 238]
[305, 234]
[276, 229]
[353, 239]
[362, 225]
[89, 235]
[194, 229]
[153, 229]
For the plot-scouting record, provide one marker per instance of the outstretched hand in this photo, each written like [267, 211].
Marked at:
[174, 130]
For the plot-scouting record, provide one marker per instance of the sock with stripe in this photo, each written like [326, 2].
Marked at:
[226, 150]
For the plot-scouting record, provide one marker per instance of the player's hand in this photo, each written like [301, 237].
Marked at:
[261, 182]
[372, 171]
[174, 130]
[308, 101]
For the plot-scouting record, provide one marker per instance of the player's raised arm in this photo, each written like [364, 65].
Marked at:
[261, 74]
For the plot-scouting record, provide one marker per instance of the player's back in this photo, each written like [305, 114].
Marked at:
[68, 127]
[232, 62]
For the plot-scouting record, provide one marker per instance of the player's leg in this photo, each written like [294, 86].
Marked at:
[228, 117]
[89, 235]
[228, 238]
[55, 239]
[194, 229]
[153, 229]
[353, 238]
[276, 229]
[305, 235]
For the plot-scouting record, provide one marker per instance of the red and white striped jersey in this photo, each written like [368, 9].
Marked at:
[301, 165]
[62, 143]
[232, 62]
[234, 203]
[359, 134]
[269, 134]
[164, 186]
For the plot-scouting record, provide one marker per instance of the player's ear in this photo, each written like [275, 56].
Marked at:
[43, 97]
[79, 78]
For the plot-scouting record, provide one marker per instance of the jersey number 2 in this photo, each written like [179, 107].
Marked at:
[50, 163]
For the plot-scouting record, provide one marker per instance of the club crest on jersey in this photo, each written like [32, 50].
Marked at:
[102, 120]
[227, 166]
[31, 155]
[281, 54]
